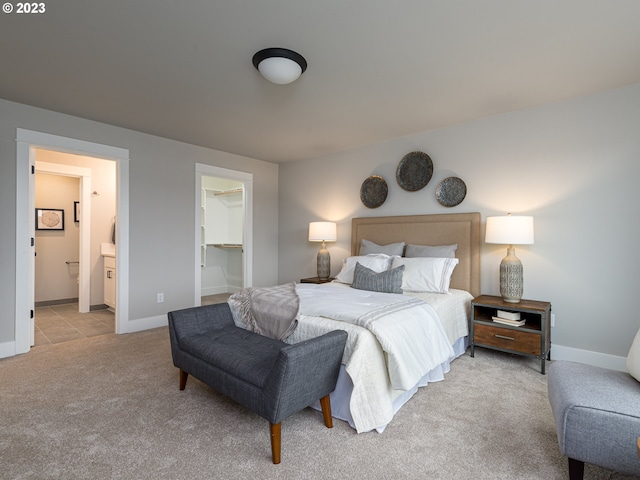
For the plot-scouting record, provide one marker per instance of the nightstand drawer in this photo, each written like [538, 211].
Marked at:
[507, 338]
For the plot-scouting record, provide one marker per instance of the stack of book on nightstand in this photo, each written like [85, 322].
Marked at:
[508, 318]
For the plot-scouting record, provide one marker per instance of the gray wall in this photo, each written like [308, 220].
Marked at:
[574, 166]
[162, 210]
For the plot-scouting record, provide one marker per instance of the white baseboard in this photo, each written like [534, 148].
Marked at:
[7, 349]
[144, 324]
[217, 290]
[604, 360]
[212, 291]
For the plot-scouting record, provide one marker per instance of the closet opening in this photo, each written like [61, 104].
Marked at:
[223, 233]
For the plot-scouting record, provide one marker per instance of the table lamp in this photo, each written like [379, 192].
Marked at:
[510, 230]
[323, 232]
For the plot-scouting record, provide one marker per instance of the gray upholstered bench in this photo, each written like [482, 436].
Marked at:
[597, 416]
[267, 376]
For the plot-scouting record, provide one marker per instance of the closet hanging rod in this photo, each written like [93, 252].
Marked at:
[228, 192]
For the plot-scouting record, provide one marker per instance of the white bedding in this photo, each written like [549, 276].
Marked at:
[402, 325]
[370, 404]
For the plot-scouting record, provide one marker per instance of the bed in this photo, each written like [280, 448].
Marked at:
[366, 396]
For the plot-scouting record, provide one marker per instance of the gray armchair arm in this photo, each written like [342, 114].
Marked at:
[303, 373]
[199, 320]
[194, 321]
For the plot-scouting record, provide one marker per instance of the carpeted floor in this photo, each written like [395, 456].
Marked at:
[109, 407]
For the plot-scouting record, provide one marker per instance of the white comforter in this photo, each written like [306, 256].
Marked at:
[371, 400]
[403, 326]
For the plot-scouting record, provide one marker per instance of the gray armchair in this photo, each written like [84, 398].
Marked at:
[267, 376]
[597, 417]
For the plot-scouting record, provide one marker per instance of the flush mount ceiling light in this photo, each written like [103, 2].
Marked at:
[279, 65]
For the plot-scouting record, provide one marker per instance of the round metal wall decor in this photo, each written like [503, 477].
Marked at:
[451, 191]
[373, 191]
[414, 171]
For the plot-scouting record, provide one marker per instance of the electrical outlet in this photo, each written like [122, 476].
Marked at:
[553, 319]
[160, 297]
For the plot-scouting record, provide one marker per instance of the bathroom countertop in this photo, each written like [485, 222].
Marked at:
[108, 249]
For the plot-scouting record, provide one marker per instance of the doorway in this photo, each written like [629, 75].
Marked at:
[27, 143]
[83, 176]
[70, 300]
[224, 240]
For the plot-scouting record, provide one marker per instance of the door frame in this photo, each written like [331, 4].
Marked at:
[247, 223]
[26, 143]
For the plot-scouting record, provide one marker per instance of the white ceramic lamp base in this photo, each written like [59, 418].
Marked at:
[511, 279]
[324, 263]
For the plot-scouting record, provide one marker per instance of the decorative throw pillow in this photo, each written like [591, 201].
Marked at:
[426, 274]
[439, 251]
[367, 248]
[389, 281]
[378, 263]
[633, 359]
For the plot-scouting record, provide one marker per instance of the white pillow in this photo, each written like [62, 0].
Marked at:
[426, 274]
[378, 262]
[633, 359]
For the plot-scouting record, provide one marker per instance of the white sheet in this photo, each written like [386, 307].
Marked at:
[369, 404]
[402, 325]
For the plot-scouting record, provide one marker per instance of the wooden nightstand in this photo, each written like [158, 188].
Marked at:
[533, 339]
[315, 280]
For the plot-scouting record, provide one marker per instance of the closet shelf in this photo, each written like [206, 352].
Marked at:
[226, 245]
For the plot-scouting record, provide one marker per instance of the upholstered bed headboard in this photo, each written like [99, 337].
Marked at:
[463, 229]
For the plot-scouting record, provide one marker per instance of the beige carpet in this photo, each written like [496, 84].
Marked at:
[109, 407]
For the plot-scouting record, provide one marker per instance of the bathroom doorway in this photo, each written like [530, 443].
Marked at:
[27, 141]
[69, 284]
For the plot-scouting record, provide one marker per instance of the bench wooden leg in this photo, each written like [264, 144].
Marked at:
[325, 403]
[275, 430]
[183, 379]
[576, 469]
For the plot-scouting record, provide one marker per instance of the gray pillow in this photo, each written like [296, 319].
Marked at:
[440, 251]
[367, 247]
[389, 281]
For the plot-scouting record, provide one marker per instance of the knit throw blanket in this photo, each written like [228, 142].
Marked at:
[268, 311]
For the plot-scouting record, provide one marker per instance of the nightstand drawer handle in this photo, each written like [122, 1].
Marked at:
[505, 338]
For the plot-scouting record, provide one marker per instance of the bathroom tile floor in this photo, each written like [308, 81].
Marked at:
[62, 323]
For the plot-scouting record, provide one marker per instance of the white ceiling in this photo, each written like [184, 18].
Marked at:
[378, 69]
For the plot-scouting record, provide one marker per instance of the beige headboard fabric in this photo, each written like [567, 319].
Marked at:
[442, 229]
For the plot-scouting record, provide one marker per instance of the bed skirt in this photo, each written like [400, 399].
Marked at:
[341, 396]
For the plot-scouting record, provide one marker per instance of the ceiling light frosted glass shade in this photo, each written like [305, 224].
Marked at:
[279, 65]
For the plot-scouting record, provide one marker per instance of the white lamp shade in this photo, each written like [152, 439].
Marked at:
[322, 231]
[510, 230]
[279, 70]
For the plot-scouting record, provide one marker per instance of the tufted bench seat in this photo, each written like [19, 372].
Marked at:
[267, 376]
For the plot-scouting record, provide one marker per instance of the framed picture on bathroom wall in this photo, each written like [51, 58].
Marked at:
[49, 219]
